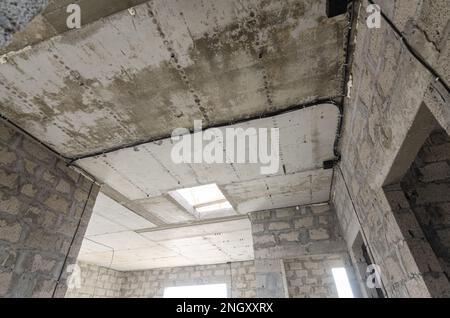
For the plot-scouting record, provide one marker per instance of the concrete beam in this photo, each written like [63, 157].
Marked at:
[133, 206]
[195, 223]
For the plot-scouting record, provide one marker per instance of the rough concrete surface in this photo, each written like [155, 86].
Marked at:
[281, 235]
[15, 15]
[103, 85]
[45, 208]
[389, 88]
[132, 76]
[102, 282]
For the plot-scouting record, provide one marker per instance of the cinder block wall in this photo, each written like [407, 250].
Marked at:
[389, 86]
[423, 211]
[311, 277]
[430, 174]
[44, 211]
[296, 231]
[294, 249]
[98, 281]
[239, 277]
[306, 277]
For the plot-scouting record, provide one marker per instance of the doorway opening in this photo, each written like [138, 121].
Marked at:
[420, 200]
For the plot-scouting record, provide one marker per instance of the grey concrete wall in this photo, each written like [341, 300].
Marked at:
[102, 282]
[291, 233]
[44, 211]
[96, 281]
[389, 86]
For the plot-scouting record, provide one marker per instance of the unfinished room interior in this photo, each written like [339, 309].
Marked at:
[225, 148]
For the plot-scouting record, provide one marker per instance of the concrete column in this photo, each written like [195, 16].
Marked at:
[270, 279]
[44, 211]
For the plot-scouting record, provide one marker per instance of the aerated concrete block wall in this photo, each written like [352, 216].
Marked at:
[295, 231]
[389, 89]
[284, 239]
[96, 281]
[430, 174]
[239, 277]
[102, 282]
[295, 251]
[311, 276]
[44, 211]
[423, 211]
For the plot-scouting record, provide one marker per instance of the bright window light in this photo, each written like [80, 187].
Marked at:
[202, 199]
[342, 283]
[202, 194]
[214, 207]
[197, 291]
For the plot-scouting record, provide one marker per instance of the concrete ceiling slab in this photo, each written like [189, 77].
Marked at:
[180, 246]
[122, 240]
[189, 245]
[236, 245]
[100, 225]
[280, 191]
[161, 262]
[306, 140]
[104, 259]
[117, 213]
[165, 209]
[125, 78]
[196, 230]
[157, 251]
[89, 246]
[143, 175]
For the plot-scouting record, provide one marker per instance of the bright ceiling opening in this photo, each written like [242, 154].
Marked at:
[203, 201]
[197, 291]
[342, 283]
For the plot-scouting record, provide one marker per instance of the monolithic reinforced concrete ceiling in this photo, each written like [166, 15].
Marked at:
[131, 77]
[118, 238]
[145, 174]
[127, 77]
[155, 231]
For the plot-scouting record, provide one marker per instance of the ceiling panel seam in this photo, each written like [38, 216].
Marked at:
[329, 100]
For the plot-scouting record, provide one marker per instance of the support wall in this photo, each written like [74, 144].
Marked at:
[44, 211]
